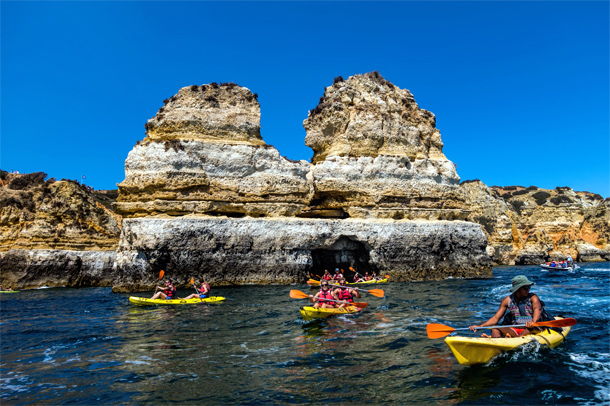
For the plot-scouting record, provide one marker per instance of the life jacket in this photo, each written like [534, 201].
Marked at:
[327, 277]
[202, 290]
[521, 312]
[337, 276]
[345, 294]
[324, 297]
[170, 292]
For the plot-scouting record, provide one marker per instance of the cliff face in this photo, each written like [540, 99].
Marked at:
[378, 163]
[203, 153]
[532, 225]
[55, 233]
[35, 214]
[378, 155]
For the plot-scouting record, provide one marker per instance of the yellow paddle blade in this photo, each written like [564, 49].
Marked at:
[438, 330]
[297, 294]
[377, 292]
[161, 274]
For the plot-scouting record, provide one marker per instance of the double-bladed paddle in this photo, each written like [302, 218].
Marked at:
[297, 294]
[440, 330]
[160, 277]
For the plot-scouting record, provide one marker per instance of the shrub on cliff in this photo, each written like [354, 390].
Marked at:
[561, 199]
[541, 197]
[520, 192]
[27, 181]
[517, 205]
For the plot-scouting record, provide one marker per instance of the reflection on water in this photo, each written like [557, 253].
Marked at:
[80, 346]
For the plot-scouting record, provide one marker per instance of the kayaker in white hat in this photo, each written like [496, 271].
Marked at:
[523, 307]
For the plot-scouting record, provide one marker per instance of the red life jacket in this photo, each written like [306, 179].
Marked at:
[337, 276]
[170, 291]
[202, 290]
[345, 294]
[326, 277]
[325, 295]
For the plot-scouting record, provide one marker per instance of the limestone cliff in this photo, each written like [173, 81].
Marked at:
[378, 165]
[203, 153]
[55, 233]
[532, 225]
[378, 155]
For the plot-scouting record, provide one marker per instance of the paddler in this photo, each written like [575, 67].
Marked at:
[344, 292]
[327, 276]
[167, 293]
[338, 275]
[523, 307]
[322, 296]
[204, 291]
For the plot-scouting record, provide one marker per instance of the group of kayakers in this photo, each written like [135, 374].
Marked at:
[561, 264]
[357, 277]
[339, 295]
[168, 292]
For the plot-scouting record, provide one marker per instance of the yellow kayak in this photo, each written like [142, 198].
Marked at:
[315, 283]
[309, 312]
[479, 350]
[142, 301]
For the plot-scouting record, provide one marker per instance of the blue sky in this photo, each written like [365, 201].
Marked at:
[520, 89]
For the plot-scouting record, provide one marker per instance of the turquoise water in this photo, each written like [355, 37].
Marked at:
[86, 346]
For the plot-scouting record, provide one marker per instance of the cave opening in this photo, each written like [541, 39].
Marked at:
[344, 253]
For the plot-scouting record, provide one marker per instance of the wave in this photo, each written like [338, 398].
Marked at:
[595, 367]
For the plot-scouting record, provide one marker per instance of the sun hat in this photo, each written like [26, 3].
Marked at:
[519, 281]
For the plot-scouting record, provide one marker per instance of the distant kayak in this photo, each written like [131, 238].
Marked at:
[479, 350]
[9, 291]
[142, 301]
[315, 283]
[310, 313]
[559, 267]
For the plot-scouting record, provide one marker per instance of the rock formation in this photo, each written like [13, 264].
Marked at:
[532, 225]
[377, 164]
[203, 153]
[378, 155]
[54, 233]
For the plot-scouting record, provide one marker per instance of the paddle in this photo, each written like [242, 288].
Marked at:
[439, 330]
[297, 294]
[315, 276]
[160, 277]
[193, 283]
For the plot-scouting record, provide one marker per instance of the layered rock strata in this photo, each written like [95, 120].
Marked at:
[27, 269]
[242, 251]
[55, 233]
[203, 153]
[378, 155]
[532, 225]
[377, 163]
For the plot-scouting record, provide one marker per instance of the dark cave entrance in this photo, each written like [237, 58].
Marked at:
[344, 253]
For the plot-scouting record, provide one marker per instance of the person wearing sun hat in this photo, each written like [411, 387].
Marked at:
[523, 308]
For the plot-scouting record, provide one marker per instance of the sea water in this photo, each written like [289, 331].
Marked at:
[89, 346]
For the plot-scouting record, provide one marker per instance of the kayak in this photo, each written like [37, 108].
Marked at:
[479, 350]
[314, 283]
[142, 301]
[311, 313]
[9, 291]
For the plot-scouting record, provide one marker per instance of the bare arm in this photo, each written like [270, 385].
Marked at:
[496, 317]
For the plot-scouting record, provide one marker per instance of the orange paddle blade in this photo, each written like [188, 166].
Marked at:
[438, 330]
[360, 305]
[313, 282]
[387, 276]
[192, 281]
[376, 292]
[161, 274]
[567, 322]
[297, 294]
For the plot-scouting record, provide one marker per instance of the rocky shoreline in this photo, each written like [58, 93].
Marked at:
[205, 196]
